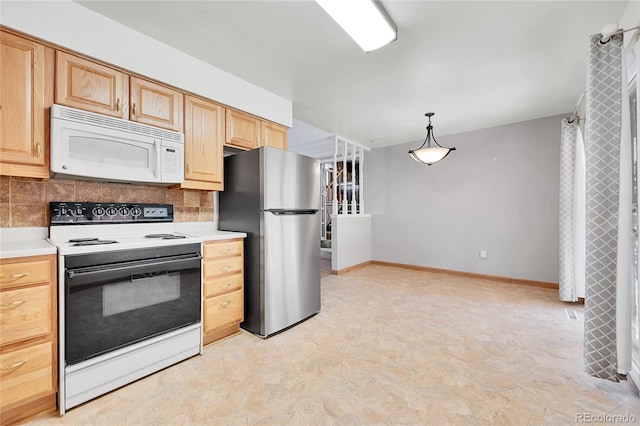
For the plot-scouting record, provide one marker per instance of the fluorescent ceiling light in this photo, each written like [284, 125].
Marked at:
[363, 20]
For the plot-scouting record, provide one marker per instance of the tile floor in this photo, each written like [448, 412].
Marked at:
[390, 346]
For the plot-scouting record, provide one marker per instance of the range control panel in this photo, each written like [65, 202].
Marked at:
[72, 213]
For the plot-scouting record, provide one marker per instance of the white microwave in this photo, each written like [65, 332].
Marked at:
[89, 145]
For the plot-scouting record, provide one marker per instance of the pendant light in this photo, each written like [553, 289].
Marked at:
[428, 154]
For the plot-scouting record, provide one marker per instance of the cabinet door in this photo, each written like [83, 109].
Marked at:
[203, 140]
[155, 105]
[92, 87]
[274, 135]
[243, 130]
[26, 93]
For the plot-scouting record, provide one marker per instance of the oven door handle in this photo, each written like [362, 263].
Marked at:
[88, 276]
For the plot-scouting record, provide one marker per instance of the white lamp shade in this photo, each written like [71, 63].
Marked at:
[429, 155]
[362, 20]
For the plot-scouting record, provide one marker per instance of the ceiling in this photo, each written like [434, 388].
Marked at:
[476, 64]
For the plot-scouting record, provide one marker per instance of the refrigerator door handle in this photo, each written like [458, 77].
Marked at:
[283, 212]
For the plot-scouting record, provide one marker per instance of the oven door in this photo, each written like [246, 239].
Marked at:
[111, 306]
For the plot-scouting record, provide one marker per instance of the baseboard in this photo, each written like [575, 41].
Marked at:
[221, 334]
[532, 283]
[36, 408]
[351, 268]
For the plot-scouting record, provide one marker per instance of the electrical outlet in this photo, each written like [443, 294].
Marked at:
[484, 254]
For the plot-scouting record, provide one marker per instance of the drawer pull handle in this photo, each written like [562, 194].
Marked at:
[14, 275]
[227, 285]
[225, 251]
[118, 105]
[133, 109]
[225, 268]
[16, 365]
[16, 303]
[225, 303]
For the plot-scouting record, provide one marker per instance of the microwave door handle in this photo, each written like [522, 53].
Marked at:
[156, 143]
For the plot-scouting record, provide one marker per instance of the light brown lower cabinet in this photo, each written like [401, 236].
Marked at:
[223, 299]
[28, 337]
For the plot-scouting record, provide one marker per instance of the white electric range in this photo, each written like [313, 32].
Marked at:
[130, 292]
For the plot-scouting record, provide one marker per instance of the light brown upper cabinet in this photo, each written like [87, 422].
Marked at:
[242, 130]
[203, 140]
[155, 105]
[26, 93]
[273, 135]
[90, 86]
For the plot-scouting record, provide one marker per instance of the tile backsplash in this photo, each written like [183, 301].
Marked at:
[25, 202]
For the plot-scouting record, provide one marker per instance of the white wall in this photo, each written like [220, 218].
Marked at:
[497, 192]
[75, 27]
[351, 240]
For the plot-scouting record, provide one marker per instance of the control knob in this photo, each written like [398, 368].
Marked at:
[123, 211]
[136, 211]
[98, 211]
[76, 211]
[112, 211]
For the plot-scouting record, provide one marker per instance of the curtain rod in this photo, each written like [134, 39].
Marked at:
[607, 32]
[575, 110]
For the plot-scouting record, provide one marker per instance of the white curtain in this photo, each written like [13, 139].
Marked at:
[572, 196]
[625, 240]
[607, 335]
[579, 216]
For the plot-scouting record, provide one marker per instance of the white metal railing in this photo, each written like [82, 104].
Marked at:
[347, 154]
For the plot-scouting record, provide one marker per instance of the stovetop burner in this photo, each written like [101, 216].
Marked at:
[90, 242]
[165, 236]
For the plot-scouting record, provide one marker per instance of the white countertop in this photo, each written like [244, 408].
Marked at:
[32, 241]
[21, 242]
[206, 231]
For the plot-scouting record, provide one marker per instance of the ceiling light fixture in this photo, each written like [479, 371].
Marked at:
[428, 154]
[364, 21]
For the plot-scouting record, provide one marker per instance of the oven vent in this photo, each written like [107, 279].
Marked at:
[114, 123]
[571, 314]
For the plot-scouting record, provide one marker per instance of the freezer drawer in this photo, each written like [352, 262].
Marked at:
[291, 286]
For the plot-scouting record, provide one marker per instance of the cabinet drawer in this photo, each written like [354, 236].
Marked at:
[25, 313]
[21, 273]
[26, 373]
[214, 287]
[222, 311]
[230, 248]
[229, 265]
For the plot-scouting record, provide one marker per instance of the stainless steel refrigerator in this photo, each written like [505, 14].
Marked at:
[274, 196]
